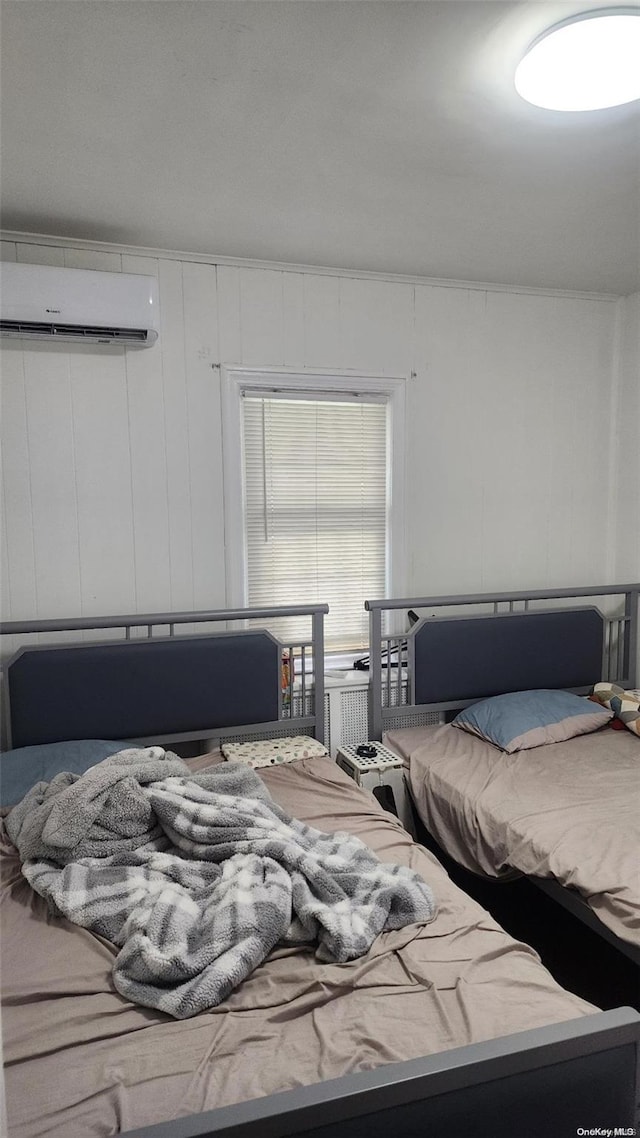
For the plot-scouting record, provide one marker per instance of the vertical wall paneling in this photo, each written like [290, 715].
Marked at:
[52, 465]
[626, 440]
[444, 450]
[103, 463]
[103, 471]
[229, 326]
[6, 649]
[376, 326]
[322, 347]
[578, 427]
[7, 253]
[174, 382]
[261, 317]
[592, 542]
[514, 439]
[205, 435]
[19, 590]
[149, 499]
[5, 583]
[293, 319]
[516, 422]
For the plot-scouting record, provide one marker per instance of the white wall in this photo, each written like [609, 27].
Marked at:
[627, 442]
[112, 459]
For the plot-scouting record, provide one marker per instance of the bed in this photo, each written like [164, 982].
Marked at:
[440, 1020]
[564, 813]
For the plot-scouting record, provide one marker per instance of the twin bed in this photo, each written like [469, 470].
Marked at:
[564, 813]
[441, 1020]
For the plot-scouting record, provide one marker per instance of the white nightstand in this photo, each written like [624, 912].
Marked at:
[384, 769]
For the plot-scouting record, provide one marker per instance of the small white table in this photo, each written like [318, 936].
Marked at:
[384, 769]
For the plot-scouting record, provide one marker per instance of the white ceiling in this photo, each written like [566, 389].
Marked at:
[359, 134]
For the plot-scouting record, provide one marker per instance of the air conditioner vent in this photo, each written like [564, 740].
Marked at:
[33, 329]
[79, 306]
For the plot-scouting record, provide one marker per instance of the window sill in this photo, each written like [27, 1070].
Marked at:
[344, 661]
[337, 664]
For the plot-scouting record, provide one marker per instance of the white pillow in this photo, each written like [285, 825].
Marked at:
[272, 752]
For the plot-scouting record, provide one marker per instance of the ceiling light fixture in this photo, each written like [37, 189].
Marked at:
[584, 63]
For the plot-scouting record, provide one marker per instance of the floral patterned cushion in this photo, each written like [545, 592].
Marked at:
[272, 752]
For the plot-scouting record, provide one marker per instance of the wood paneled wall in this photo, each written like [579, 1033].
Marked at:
[112, 458]
[627, 442]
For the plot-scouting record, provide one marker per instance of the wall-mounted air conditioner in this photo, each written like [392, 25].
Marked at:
[42, 302]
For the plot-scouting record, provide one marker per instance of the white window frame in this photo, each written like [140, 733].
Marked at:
[235, 380]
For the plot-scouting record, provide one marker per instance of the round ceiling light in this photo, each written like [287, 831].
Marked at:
[585, 63]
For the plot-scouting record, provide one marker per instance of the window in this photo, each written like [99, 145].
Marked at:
[316, 495]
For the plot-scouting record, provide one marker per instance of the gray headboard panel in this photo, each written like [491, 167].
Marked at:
[135, 689]
[478, 656]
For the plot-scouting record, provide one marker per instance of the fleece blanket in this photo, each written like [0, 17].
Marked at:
[196, 878]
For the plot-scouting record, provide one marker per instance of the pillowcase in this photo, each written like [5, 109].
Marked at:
[625, 705]
[520, 720]
[271, 752]
[23, 768]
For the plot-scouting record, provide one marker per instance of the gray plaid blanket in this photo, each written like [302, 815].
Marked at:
[196, 878]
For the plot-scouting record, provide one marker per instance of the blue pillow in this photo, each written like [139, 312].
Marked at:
[22, 768]
[523, 719]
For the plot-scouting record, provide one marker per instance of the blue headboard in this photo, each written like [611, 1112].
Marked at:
[464, 658]
[143, 688]
[539, 642]
[166, 688]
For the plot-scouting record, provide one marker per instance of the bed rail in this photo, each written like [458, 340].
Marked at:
[567, 1078]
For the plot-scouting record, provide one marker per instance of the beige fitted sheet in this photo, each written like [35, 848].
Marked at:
[81, 1060]
[569, 811]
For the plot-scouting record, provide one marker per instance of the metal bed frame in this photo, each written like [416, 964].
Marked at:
[394, 702]
[500, 650]
[547, 1080]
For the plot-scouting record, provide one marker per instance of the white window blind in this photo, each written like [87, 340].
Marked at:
[316, 507]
